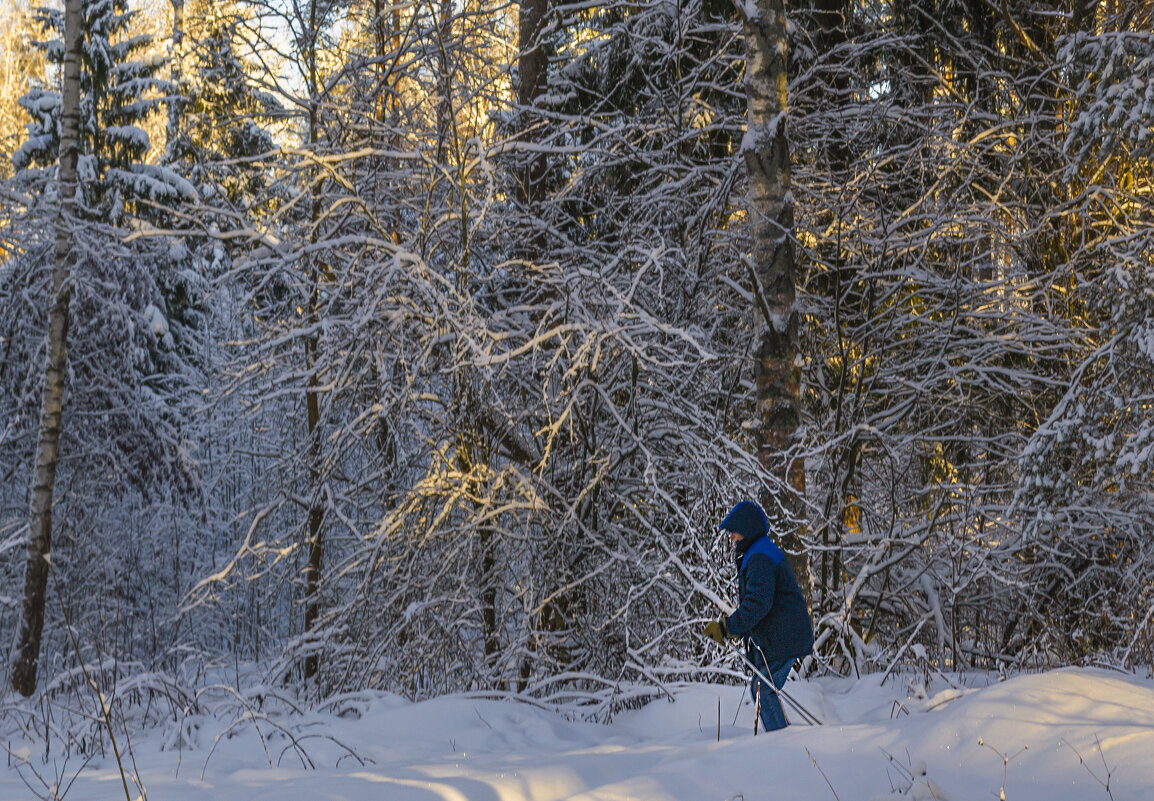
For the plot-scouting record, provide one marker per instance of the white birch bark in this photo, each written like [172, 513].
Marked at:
[777, 371]
[26, 659]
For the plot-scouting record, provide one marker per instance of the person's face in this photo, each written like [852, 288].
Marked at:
[735, 538]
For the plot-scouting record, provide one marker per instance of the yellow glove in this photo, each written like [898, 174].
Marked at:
[715, 630]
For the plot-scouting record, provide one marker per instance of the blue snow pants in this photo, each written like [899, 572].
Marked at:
[772, 714]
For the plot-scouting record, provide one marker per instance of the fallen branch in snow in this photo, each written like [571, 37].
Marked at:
[249, 708]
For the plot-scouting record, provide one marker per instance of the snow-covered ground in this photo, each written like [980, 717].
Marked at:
[1065, 735]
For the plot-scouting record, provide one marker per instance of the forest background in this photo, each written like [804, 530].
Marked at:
[411, 345]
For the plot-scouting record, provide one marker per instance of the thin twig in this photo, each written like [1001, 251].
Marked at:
[105, 709]
[822, 772]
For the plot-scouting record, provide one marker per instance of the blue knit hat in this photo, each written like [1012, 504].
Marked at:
[746, 519]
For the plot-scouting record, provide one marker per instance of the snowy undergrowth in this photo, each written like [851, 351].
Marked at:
[1064, 735]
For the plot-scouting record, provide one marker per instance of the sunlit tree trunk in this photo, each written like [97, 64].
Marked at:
[172, 133]
[532, 63]
[777, 371]
[27, 657]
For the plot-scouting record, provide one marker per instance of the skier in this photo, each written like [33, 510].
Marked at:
[771, 615]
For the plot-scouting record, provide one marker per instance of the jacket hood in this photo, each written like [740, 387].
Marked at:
[746, 519]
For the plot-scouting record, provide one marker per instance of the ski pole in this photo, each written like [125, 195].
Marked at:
[809, 717]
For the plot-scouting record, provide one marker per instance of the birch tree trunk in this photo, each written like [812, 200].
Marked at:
[27, 656]
[777, 371]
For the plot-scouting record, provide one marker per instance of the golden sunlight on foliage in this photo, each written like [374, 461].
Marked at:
[155, 19]
[20, 64]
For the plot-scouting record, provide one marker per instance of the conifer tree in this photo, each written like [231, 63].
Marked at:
[120, 88]
[221, 130]
[20, 63]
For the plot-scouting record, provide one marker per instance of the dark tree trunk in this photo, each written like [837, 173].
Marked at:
[315, 533]
[532, 65]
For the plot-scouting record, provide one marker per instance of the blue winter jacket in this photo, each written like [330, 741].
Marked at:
[771, 611]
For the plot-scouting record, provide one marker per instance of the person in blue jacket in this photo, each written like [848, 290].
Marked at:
[771, 618]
